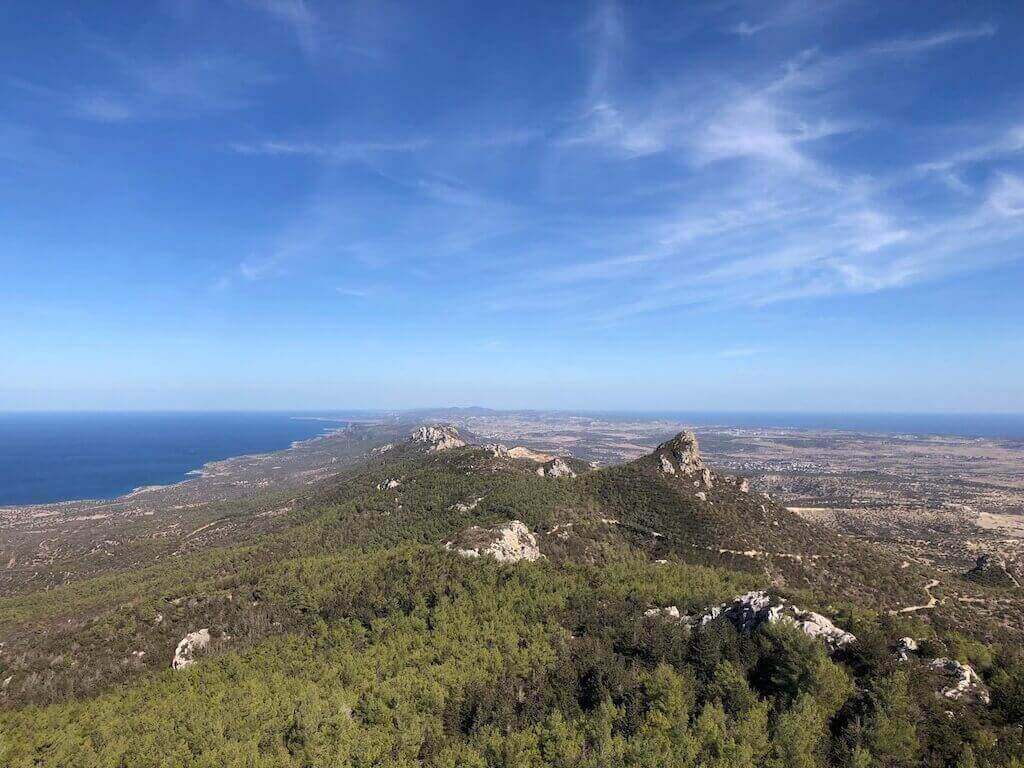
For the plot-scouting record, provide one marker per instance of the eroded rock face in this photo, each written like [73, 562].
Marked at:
[750, 611]
[555, 468]
[184, 654]
[498, 450]
[439, 437]
[507, 543]
[681, 457]
[962, 683]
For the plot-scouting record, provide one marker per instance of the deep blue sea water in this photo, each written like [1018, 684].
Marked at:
[46, 457]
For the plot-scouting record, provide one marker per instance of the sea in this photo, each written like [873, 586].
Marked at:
[51, 457]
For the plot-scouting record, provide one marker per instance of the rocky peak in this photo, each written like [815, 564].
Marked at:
[439, 437]
[990, 569]
[681, 457]
[684, 450]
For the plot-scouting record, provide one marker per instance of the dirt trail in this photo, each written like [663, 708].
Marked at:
[932, 600]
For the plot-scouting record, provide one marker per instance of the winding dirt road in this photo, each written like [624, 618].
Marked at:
[932, 600]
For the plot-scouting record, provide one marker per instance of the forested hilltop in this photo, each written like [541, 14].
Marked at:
[433, 602]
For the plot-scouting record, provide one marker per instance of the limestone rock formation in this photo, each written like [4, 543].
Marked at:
[669, 613]
[507, 543]
[681, 457]
[439, 437]
[498, 450]
[556, 468]
[750, 611]
[906, 647]
[961, 682]
[387, 485]
[184, 654]
[522, 452]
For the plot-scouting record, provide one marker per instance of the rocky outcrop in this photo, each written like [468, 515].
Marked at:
[906, 648]
[556, 468]
[509, 542]
[991, 570]
[680, 457]
[750, 611]
[438, 437]
[521, 452]
[465, 506]
[185, 653]
[961, 682]
[388, 485]
[669, 613]
[498, 450]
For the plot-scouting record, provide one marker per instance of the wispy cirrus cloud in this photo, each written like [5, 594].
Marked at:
[757, 201]
[791, 13]
[337, 151]
[922, 44]
[1011, 142]
[782, 219]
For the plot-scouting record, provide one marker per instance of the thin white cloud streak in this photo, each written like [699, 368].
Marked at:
[1010, 143]
[762, 214]
[785, 223]
[913, 45]
[340, 151]
[793, 13]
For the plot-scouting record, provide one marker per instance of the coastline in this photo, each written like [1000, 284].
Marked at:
[47, 460]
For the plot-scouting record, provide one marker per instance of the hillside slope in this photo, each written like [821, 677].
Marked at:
[372, 626]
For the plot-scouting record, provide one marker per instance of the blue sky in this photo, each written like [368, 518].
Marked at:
[728, 205]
